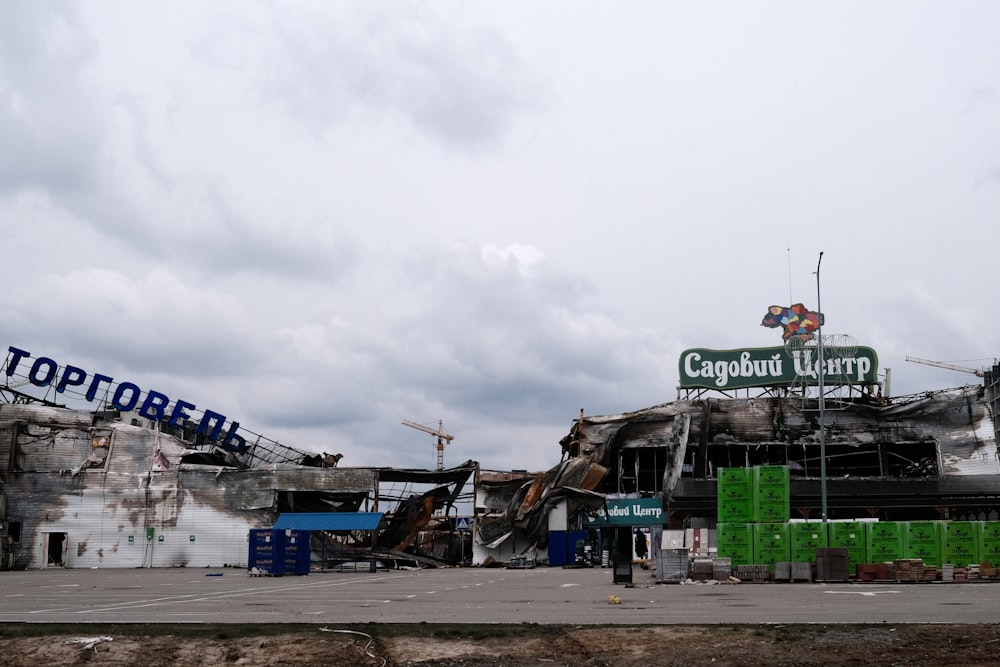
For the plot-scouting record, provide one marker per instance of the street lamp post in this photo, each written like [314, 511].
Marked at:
[822, 420]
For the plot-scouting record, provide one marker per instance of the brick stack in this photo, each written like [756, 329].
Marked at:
[913, 569]
[872, 572]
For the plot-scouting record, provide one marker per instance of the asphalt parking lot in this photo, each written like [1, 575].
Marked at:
[470, 595]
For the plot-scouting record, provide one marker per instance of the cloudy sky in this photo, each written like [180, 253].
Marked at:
[323, 218]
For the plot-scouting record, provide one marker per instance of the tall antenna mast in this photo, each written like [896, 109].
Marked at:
[790, 299]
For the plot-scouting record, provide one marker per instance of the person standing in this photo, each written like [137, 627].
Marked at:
[640, 545]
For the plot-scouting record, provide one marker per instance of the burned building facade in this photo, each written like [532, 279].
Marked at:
[149, 481]
[88, 489]
[84, 491]
[931, 455]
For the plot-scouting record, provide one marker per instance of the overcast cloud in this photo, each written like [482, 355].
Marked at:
[323, 218]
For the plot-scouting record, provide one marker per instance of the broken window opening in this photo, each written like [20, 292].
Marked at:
[215, 457]
[14, 530]
[911, 459]
[748, 455]
[639, 470]
[893, 460]
[100, 449]
[319, 501]
[43, 448]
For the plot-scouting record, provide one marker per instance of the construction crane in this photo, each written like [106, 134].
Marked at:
[439, 433]
[950, 367]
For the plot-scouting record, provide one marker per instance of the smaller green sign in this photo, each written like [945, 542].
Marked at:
[628, 512]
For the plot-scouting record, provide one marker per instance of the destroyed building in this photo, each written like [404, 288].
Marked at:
[135, 485]
[149, 481]
[149, 486]
[931, 455]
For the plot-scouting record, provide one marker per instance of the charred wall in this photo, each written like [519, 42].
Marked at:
[923, 443]
[92, 493]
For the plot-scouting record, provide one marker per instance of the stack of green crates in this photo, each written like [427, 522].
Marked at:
[989, 549]
[747, 498]
[734, 495]
[771, 495]
[735, 541]
[806, 537]
[961, 542]
[922, 539]
[884, 541]
[849, 535]
[771, 544]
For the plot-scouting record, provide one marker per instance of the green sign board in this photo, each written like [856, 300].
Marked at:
[767, 366]
[628, 512]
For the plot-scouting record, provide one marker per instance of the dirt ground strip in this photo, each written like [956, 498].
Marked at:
[507, 646]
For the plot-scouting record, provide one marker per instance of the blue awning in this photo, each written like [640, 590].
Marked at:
[329, 520]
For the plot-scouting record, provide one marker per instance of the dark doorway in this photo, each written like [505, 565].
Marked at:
[56, 549]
